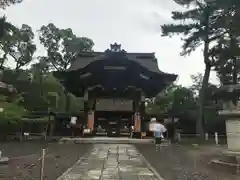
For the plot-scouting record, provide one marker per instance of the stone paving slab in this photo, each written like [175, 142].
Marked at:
[106, 140]
[111, 162]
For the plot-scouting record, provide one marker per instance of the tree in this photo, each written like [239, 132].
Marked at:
[161, 104]
[40, 67]
[226, 51]
[6, 38]
[22, 48]
[197, 83]
[62, 47]
[6, 27]
[5, 3]
[40, 70]
[209, 104]
[197, 24]
[175, 101]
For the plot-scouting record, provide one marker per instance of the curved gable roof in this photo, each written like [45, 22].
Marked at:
[146, 60]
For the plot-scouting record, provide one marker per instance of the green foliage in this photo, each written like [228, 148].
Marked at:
[55, 91]
[52, 91]
[76, 104]
[52, 98]
[175, 100]
[11, 115]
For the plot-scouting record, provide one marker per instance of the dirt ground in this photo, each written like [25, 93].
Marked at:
[185, 162]
[172, 162]
[24, 164]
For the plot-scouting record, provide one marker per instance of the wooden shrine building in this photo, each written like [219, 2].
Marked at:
[114, 85]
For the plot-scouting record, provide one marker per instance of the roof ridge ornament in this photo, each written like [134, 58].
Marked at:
[115, 48]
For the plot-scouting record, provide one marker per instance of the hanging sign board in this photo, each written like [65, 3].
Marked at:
[73, 120]
[114, 105]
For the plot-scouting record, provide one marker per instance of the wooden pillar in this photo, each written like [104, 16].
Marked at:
[137, 119]
[86, 107]
[137, 122]
[142, 109]
[89, 110]
[90, 123]
[142, 117]
[85, 113]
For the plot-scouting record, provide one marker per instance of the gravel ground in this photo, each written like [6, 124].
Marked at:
[59, 157]
[184, 163]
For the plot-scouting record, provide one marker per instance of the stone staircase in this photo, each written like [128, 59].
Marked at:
[110, 140]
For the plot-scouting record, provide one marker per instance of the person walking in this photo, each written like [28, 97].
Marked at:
[159, 130]
[131, 131]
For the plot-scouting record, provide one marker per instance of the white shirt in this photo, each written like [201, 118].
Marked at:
[160, 129]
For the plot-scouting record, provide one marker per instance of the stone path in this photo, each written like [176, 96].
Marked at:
[111, 162]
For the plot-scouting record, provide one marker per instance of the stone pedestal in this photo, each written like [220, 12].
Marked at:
[229, 96]
[230, 159]
[233, 135]
[232, 129]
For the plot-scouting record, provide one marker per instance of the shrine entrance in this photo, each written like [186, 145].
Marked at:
[114, 85]
[113, 123]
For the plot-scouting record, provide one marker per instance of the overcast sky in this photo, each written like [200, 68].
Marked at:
[133, 23]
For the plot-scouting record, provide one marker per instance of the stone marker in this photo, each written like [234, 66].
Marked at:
[3, 160]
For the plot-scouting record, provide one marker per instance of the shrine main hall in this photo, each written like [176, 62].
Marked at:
[114, 84]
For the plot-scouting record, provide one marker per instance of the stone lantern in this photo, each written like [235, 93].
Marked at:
[229, 95]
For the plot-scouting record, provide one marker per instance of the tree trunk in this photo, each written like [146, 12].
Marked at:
[52, 128]
[41, 83]
[67, 101]
[3, 59]
[235, 73]
[173, 128]
[200, 122]
[233, 48]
